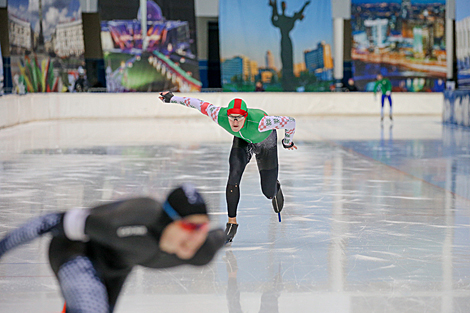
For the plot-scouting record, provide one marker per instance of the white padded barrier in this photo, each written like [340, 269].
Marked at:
[16, 109]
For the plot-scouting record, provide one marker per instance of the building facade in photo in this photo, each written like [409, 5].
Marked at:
[69, 39]
[20, 34]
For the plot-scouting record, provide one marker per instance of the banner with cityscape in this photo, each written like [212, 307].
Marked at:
[287, 47]
[284, 45]
[46, 44]
[404, 40]
[166, 63]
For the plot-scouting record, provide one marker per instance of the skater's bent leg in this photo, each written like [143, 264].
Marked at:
[81, 287]
[267, 161]
[233, 197]
[269, 182]
[239, 158]
[382, 108]
[390, 102]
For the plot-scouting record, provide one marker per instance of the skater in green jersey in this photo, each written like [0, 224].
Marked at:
[254, 133]
[385, 87]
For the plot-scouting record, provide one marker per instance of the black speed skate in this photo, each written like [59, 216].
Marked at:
[230, 232]
[278, 199]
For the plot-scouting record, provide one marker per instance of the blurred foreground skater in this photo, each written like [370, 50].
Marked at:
[93, 250]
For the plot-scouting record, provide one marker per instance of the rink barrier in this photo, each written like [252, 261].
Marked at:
[456, 109]
[15, 109]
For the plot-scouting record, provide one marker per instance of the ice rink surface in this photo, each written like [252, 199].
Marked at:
[377, 219]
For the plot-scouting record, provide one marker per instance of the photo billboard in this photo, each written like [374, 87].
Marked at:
[167, 62]
[403, 40]
[46, 44]
[462, 30]
[287, 46]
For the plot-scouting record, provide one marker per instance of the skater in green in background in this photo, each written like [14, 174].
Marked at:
[385, 87]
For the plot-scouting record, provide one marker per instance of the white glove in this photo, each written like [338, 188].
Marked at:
[74, 224]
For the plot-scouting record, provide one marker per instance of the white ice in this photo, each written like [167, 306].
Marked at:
[377, 219]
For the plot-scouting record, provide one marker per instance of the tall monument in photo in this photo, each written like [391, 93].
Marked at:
[286, 24]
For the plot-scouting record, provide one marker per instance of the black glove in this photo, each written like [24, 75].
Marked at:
[166, 97]
[287, 146]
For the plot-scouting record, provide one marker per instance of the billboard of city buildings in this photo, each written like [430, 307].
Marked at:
[46, 44]
[167, 62]
[462, 35]
[404, 40]
[285, 45]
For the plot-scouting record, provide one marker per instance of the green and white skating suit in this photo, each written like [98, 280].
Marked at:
[384, 86]
[257, 124]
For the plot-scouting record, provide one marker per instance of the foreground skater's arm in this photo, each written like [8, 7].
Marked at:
[280, 122]
[31, 230]
[205, 108]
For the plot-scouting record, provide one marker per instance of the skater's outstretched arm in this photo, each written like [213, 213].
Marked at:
[31, 230]
[205, 108]
[376, 86]
[280, 122]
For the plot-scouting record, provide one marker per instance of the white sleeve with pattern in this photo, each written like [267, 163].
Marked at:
[205, 108]
[279, 122]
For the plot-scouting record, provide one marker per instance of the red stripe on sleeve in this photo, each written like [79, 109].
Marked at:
[204, 108]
